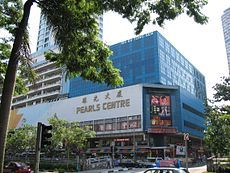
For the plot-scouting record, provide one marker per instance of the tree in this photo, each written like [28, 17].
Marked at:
[21, 139]
[10, 20]
[69, 135]
[23, 72]
[76, 33]
[222, 90]
[217, 134]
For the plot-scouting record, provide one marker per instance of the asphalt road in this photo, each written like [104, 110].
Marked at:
[198, 169]
[201, 169]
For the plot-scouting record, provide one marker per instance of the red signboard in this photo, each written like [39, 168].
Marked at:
[121, 140]
[162, 130]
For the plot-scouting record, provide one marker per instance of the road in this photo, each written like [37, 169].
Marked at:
[198, 169]
[201, 169]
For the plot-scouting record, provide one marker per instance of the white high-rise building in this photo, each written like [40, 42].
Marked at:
[45, 39]
[51, 85]
[226, 29]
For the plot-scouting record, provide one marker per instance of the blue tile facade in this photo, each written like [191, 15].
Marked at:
[152, 59]
[148, 59]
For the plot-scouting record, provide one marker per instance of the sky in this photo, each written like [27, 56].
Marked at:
[202, 45]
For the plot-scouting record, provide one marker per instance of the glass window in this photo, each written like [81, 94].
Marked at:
[161, 41]
[172, 52]
[110, 124]
[163, 80]
[99, 125]
[167, 47]
[122, 123]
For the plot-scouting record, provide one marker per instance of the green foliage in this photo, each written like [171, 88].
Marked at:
[76, 33]
[21, 139]
[10, 16]
[217, 135]
[69, 134]
[222, 90]
[157, 11]
[60, 167]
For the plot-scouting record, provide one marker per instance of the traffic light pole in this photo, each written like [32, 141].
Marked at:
[186, 153]
[186, 138]
[38, 147]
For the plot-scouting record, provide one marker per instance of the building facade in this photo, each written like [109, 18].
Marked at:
[162, 98]
[152, 59]
[142, 120]
[50, 85]
[226, 29]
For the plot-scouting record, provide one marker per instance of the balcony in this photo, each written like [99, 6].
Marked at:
[38, 96]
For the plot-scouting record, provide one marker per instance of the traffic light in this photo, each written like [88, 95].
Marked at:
[46, 135]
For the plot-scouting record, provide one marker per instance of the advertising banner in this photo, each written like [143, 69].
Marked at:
[160, 110]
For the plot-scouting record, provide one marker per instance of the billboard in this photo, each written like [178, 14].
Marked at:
[160, 110]
[120, 105]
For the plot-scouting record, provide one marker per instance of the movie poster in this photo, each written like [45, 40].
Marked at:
[160, 111]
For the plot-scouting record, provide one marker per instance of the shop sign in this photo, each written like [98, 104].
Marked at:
[104, 105]
[121, 140]
[162, 130]
[180, 150]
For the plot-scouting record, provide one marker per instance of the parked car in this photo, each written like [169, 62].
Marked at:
[17, 167]
[146, 164]
[164, 170]
[154, 159]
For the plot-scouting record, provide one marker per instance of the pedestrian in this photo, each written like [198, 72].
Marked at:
[157, 163]
[178, 163]
[108, 163]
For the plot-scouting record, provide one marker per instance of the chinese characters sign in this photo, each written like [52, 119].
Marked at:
[160, 111]
[106, 105]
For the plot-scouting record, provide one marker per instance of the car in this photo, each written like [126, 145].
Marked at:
[146, 164]
[154, 159]
[164, 170]
[185, 170]
[17, 167]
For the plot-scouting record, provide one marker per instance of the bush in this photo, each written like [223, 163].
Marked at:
[60, 167]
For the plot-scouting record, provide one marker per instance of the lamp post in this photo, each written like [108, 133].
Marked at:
[134, 145]
[113, 154]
